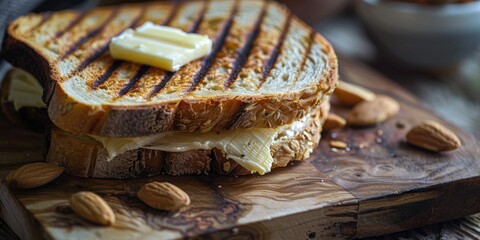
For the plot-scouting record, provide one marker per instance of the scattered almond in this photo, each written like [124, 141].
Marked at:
[334, 121]
[433, 136]
[373, 112]
[33, 175]
[164, 196]
[92, 207]
[350, 94]
[338, 144]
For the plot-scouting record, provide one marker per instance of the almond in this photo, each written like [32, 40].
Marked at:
[92, 207]
[338, 144]
[350, 94]
[33, 175]
[164, 196]
[433, 136]
[373, 112]
[333, 121]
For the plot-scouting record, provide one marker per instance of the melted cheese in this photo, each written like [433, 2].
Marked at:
[159, 46]
[25, 91]
[248, 147]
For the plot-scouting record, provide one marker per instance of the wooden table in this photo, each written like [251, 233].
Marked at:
[448, 96]
[454, 96]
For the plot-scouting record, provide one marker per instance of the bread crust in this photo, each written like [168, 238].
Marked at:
[191, 115]
[82, 156]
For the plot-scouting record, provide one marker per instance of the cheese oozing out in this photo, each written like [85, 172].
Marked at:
[25, 91]
[159, 46]
[248, 147]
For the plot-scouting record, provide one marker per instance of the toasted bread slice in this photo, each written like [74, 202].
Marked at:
[266, 69]
[83, 156]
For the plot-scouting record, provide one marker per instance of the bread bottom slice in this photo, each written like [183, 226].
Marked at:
[83, 156]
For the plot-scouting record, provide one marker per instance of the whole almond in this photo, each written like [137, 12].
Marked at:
[164, 196]
[373, 112]
[92, 207]
[433, 136]
[33, 175]
[338, 144]
[350, 94]
[333, 121]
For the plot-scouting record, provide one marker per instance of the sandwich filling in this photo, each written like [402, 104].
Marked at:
[250, 148]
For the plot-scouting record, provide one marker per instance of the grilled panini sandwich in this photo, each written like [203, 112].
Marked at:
[257, 101]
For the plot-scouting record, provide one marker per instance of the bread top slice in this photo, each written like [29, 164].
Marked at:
[266, 69]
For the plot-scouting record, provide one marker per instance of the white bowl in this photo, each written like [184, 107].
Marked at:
[423, 36]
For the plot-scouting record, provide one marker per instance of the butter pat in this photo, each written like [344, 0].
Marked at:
[159, 46]
[25, 91]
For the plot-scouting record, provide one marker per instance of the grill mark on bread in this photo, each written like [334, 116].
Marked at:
[116, 64]
[311, 40]
[172, 14]
[90, 34]
[45, 17]
[217, 46]
[80, 16]
[105, 61]
[200, 17]
[100, 51]
[162, 84]
[245, 51]
[93, 56]
[276, 51]
[126, 88]
[169, 75]
[74, 22]
[144, 68]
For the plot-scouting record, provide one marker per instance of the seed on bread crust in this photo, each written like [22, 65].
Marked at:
[368, 113]
[433, 136]
[350, 94]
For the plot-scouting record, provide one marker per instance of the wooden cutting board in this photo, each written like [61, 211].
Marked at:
[379, 185]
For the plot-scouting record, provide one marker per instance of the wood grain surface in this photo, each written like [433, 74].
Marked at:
[379, 185]
[452, 96]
